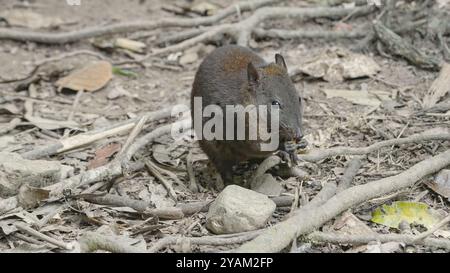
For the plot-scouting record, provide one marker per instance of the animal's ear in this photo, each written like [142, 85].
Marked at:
[252, 74]
[279, 60]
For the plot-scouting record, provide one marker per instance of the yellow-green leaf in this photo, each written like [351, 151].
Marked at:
[411, 212]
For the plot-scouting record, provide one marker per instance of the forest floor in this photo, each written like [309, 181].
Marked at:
[340, 110]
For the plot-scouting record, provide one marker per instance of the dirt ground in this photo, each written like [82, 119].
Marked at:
[164, 81]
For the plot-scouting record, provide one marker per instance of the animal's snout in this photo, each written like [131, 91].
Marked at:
[298, 135]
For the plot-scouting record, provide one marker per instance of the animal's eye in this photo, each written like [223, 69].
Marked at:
[276, 103]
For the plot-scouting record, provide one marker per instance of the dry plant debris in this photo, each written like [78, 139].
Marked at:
[96, 169]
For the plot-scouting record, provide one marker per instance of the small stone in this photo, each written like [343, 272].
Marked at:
[16, 171]
[118, 92]
[189, 58]
[238, 210]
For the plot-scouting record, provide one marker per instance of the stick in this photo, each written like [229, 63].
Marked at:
[43, 237]
[93, 241]
[318, 155]
[136, 131]
[42, 62]
[206, 240]
[153, 170]
[125, 27]
[280, 235]
[424, 235]
[266, 165]
[382, 238]
[242, 30]
[90, 137]
[349, 174]
[400, 47]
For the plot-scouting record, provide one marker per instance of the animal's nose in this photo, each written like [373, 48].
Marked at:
[298, 134]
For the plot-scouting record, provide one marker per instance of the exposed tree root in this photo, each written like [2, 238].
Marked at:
[382, 238]
[74, 36]
[318, 155]
[280, 235]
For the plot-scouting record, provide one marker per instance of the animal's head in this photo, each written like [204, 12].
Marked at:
[272, 85]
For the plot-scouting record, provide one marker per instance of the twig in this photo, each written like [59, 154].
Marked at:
[400, 47]
[382, 238]
[43, 237]
[279, 236]
[349, 174]
[153, 170]
[266, 165]
[90, 137]
[193, 186]
[93, 241]
[144, 140]
[134, 133]
[307, 34]
[318, 155]
[242, 30]
[75, 105]
[206, 240]
[27, 239]
[42, 62]
[427, 233]
[125, 27]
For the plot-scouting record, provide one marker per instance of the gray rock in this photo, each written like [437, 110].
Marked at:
[16, 171]
[238, 210]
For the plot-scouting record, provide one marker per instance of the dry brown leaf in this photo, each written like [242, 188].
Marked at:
[336, 65]
[103, 155]
[91, 78]
[361, 97]
[29, 19]
[30, 197]
[9, 109]
[441, 184]
[205, 8]
[48, 124]
[349, 224]
[439, 88]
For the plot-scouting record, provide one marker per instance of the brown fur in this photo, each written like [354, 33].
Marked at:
[224, 78]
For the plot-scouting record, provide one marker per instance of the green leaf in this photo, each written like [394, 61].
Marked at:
[124, 72]
[411, 212]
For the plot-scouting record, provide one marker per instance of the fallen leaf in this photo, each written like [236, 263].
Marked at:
[349, 224]
[442, 3]
[30, 197]
[29, 248]
[188, 58]
[439, 88]
[29, 19]
[9, 109]
[441, 183]
[48, 124]
[336, 65]
[124, 72]
[131, 45]
[389, 247]
[205, 8]
[369, 98]
[442, 233]
[410, 212]
[6, 141]
[103, 155]
[91, 78]
[117, 92]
